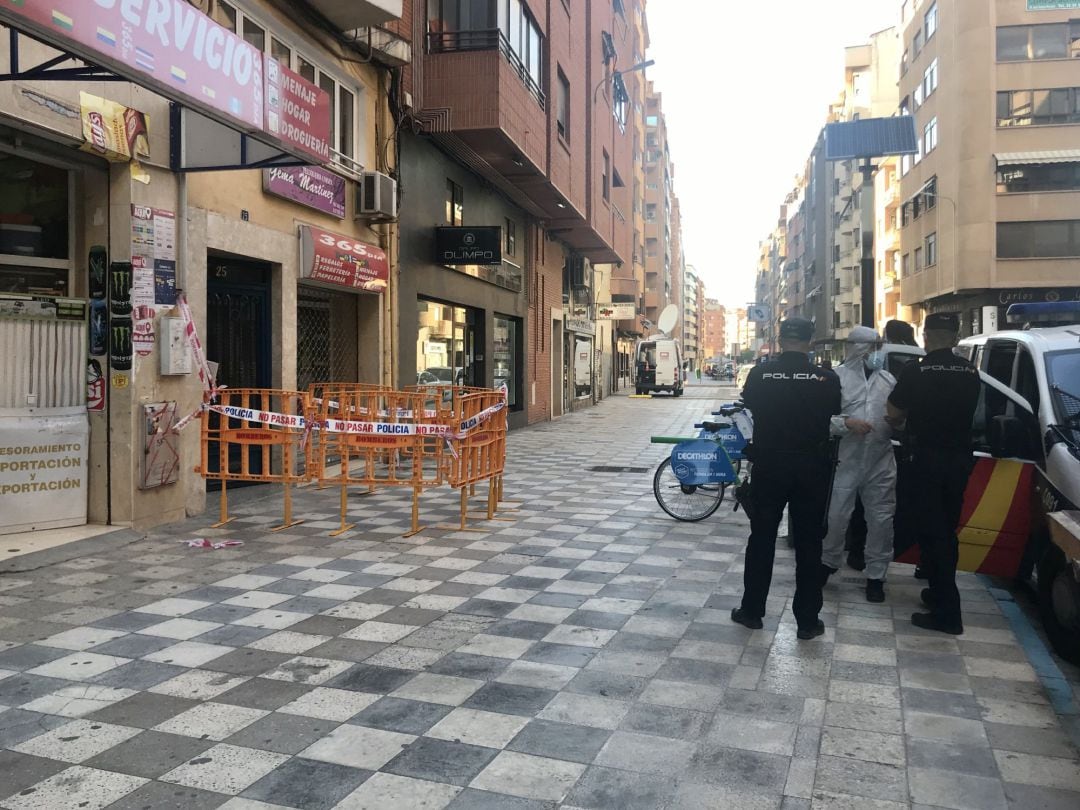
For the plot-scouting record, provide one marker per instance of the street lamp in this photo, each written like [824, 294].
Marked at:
[632, 69]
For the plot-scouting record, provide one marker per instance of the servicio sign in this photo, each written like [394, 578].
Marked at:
[166, 45]
[179, 52]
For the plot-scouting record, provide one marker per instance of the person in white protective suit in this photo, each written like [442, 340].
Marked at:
[867, 467]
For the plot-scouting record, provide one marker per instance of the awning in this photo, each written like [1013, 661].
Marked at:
[1036, 158]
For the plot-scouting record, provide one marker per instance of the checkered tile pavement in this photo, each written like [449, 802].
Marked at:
[580, 656]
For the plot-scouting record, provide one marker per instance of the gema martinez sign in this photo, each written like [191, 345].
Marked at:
[468, 245]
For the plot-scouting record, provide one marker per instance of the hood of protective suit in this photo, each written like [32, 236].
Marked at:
[860, 342]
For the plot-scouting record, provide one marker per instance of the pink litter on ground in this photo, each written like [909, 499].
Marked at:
[202, 542]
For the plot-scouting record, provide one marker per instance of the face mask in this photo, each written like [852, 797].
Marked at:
[875, 361]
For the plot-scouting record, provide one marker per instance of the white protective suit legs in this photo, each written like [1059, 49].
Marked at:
[867, 467]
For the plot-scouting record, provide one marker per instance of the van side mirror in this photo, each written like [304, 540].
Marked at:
[1006, 437]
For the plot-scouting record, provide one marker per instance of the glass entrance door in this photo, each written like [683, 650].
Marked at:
[447, 344]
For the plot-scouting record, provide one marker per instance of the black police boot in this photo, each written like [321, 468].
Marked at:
[807, 633]
[920, 573]
[856, 559]
[927, 597]
[824, 572]
[875, 590]
[739, 616]
[928, 621]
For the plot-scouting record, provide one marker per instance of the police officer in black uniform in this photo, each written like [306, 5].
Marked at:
[792, 402]
[937, 397]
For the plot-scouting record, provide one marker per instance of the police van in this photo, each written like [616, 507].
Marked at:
[1038, 446]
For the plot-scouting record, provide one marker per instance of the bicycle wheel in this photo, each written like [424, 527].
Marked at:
[686, 503]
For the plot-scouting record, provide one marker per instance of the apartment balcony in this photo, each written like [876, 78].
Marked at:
[625, 287]
[348, 15]
[654, 299]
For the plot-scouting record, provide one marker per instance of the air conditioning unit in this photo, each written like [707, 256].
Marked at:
[376, 196]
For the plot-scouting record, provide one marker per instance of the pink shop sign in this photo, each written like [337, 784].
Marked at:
[308, 185]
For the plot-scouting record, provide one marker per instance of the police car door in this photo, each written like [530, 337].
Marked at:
[995, 522]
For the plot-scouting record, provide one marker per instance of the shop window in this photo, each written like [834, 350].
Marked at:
[582, 367]
[455, 203]
[511, 237]
[35, 226]
[446, 342]
[507, 352]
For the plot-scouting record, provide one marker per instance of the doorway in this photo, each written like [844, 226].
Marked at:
[238, 330]
[449, 345]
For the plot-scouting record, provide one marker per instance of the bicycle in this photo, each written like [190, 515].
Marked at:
[690, 484]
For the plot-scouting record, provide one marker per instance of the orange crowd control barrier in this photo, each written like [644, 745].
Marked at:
[477, 450]
[375, 437]
[254, 435]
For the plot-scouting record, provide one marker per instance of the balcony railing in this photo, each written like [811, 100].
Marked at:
[488, 39]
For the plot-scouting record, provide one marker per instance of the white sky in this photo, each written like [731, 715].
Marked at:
[746, 85]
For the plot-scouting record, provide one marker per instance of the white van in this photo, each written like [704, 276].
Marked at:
[659, 366]
[1041, 364]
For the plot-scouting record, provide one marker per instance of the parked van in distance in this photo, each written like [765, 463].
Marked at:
[659, 366]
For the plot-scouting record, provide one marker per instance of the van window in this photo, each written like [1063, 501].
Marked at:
[1002, 358]
[1027, 384]
[647, 354]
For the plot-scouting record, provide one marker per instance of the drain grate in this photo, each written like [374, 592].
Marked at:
[603, 469]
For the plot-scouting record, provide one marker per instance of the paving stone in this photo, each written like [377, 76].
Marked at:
[150, 754]
[307, 783]
[611, 789]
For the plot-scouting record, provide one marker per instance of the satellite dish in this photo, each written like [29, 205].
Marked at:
[668, 318]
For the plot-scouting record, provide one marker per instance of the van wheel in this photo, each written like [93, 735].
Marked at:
[1059, 603]
[637, 391]
[677, 392]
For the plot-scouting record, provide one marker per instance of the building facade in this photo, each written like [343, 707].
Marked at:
[991, 206]
[519, 105]
[206, 196]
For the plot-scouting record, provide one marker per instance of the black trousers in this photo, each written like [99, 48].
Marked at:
[802, 483]
[938, 478]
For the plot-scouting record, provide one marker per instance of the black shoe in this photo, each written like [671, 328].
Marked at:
[875, 590]
[826, 571]
[927, 597]
[928, 621]
[807, 633]
[920, 573]
[739, 616]
[856, 560]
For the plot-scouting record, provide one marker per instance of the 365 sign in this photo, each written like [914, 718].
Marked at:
[340, 260]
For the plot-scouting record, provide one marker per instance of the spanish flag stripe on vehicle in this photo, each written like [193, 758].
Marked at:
[1003, 559]
[983, 530]
[977, 483]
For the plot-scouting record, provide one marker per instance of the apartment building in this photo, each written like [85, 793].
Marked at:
[714, 331]
[520, 140]
[659, 199]
[227, 166]
[691, 319]
[990, 210]
[869, 92]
